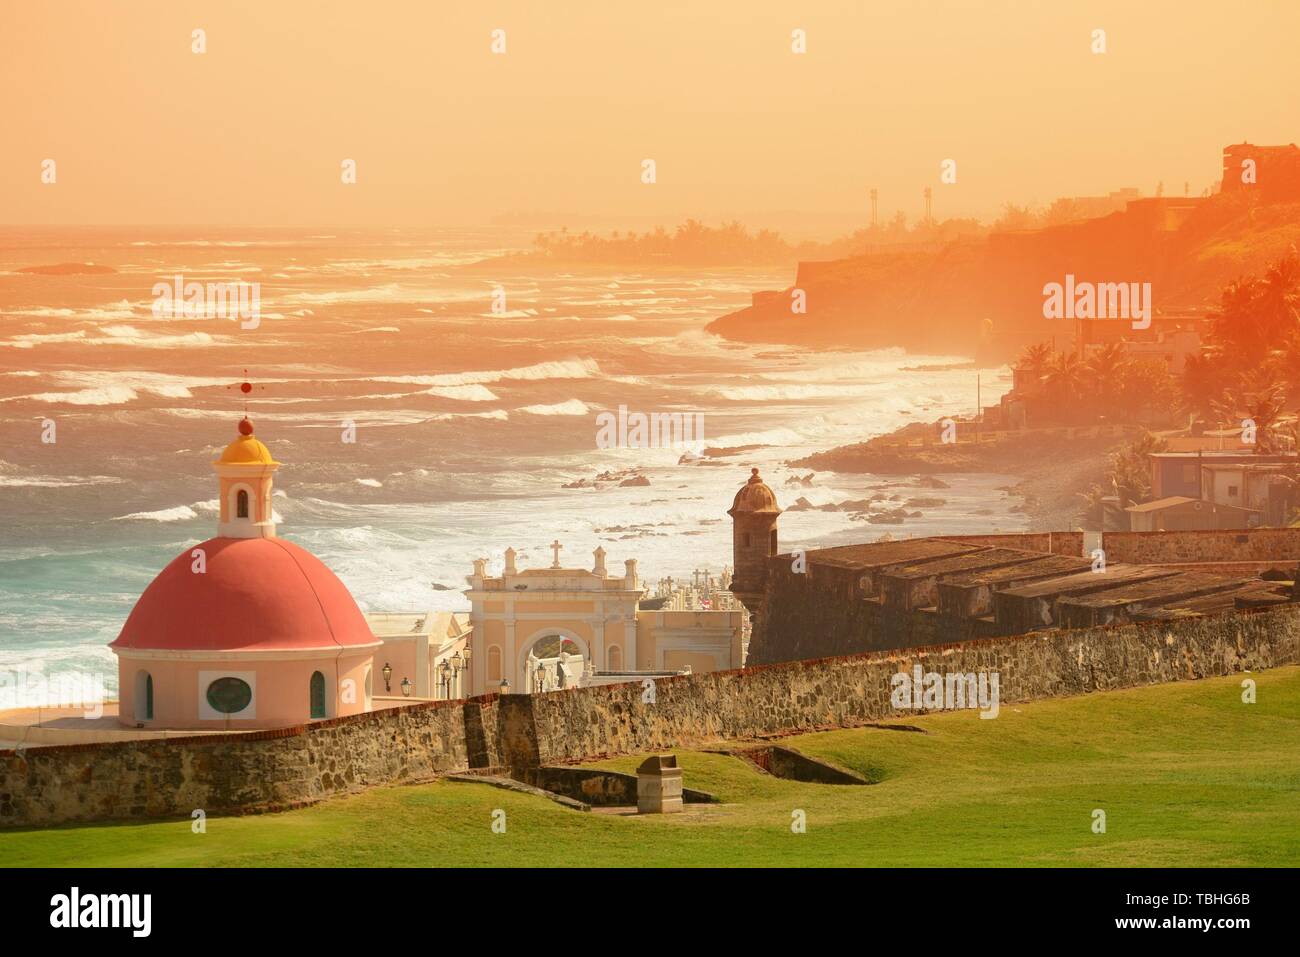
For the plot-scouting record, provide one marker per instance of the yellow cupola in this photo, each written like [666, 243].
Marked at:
[247, 449]
[245, 471]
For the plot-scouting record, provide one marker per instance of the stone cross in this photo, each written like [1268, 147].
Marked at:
[555, 547]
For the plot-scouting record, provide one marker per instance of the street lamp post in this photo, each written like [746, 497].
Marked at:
[456, 665]
[388, 677]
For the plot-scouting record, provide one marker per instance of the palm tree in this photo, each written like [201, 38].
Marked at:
[1132, 484]
[1288, 432]
[1030, 367]
[1035, 358]
[1265, 411]
[1106, 368]
[1130, 471]
[1202, 384]
[1257, 314]
[1093, 514]
[1147, 392]
[1260, 403]
[1236, 331]
[1285, 366]
[1064, 379]
[1279, 295]
[1015, 217]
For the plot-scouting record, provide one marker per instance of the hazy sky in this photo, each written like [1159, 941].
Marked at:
[443, 131]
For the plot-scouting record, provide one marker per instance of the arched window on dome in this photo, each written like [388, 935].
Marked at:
[241, 504]
[746, 537]
[318, 695]
[143, 696]
[771, 545]
[614, 658]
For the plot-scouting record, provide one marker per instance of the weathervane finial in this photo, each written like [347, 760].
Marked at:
[245, 424]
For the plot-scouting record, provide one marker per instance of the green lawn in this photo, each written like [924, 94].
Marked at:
[1186, 773]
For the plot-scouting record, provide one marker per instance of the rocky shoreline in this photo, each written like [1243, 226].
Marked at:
[1051, 469]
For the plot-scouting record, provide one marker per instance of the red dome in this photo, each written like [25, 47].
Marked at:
[258, 594]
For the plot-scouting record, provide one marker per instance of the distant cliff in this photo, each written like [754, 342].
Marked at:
[984, 297]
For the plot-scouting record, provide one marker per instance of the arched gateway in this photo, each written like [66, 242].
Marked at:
[556, 616]
[590, 625]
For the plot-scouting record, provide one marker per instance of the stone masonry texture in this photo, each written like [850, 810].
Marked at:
[292, 767]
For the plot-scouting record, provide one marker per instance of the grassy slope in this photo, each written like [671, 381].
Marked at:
[1187, 774]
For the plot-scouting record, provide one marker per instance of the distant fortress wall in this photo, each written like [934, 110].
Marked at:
[849, 600]
[1052, 543]
[1280, 546]
[292, 767]
[1277, 171]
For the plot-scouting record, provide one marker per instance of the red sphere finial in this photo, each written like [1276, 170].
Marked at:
[245, 426]
[245, 387]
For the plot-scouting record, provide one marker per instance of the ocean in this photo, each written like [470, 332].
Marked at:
[467, 422]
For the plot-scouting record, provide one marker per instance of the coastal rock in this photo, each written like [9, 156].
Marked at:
[714, 452]
[619, 477]
[636, 480]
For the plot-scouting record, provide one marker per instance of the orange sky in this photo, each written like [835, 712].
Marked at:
[444, 132]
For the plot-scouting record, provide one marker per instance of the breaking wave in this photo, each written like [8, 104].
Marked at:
[571, 407]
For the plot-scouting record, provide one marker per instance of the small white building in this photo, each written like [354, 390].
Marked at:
[424, 654]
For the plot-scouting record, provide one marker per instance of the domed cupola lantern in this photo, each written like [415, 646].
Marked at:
[245, 472]
[244, 630]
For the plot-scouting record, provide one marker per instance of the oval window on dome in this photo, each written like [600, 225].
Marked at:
[229, 695]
